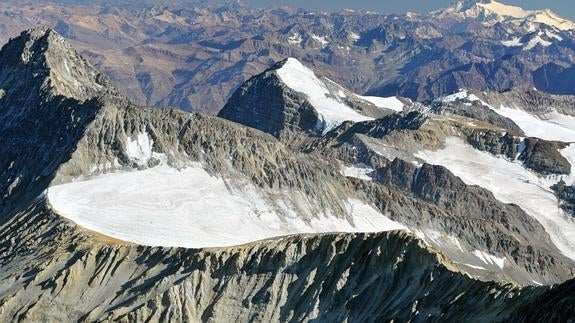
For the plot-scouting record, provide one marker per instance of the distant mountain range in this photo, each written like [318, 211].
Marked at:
[194, 57]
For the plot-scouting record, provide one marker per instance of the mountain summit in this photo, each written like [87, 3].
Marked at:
[496, 11]
[291, 97]
[42, 59]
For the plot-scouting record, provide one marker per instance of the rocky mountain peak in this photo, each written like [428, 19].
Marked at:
[41, 59]
[292, 97]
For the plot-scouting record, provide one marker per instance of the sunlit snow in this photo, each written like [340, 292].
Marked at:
[551, 126]
[190, 208]
[392, 103]
[332, 112]
[139, 149]
[361, 171]
[510, 182]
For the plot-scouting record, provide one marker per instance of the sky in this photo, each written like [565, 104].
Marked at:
[565, 8]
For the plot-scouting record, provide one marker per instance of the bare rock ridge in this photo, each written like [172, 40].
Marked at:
[364, 277]
[50, 95]
[58, 126]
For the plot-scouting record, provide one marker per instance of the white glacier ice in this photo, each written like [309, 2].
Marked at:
[190, 208]
[551, 126]
[392, 102]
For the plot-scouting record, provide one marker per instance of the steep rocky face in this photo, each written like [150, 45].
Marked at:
[49, 98]
[566, 196]
[544, 157]
[265, 103]
[290, 98]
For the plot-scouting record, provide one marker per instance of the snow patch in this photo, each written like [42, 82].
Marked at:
[392, 103]
[462, 94]
[489, 259]
[295, 39]
[190, 208]
[474, 266]
[139, 149]
[321, 39]
[515, 42]
[537, 40]
[360, 171]
[553, 35]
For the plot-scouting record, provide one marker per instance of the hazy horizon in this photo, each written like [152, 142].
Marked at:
[565, 8]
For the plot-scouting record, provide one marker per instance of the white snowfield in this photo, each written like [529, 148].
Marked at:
[537, 16]
[510, 182]
[189, 208]
[332, 111]
[392, 102]
[552, 126]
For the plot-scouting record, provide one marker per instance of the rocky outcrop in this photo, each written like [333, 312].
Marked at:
[544, 157]
[494, 142]
[566, 196]
[476, 110]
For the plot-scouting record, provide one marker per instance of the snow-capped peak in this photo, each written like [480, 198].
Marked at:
[332, 110]
[503, 12]
[503, 9]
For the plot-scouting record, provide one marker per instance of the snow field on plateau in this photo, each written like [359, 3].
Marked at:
[190, 208]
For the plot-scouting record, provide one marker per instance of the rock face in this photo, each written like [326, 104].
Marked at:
[281, 110]
[544, 157]
[566, 196]
[289, 98]
[42, 79]
[54, 270]
[477, 111]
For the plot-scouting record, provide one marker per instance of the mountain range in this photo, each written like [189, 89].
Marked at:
[194, 56]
